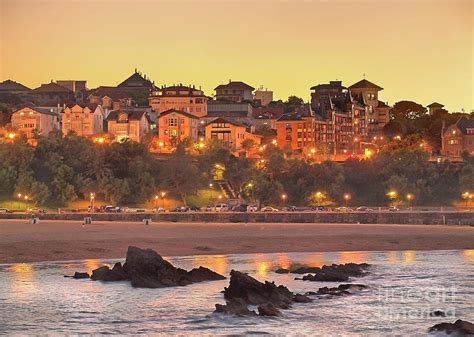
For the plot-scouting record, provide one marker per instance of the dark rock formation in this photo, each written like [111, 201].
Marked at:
[437, 313]
[333, 273]
[144, 268]
[282, 271]
[79, 275]
[244, 290]
[460, 328]
[342, 289]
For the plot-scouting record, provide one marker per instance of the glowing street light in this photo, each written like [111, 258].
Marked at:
[347, 197]
[91, 201]
[11, 135]
[274, 142]
[163, 194]
[313, 150]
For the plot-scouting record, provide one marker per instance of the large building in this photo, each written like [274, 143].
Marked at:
[263, 97]
[51, 94]
[84, 120]
[30, 120]
[458, 138]
[230, 132]
[234, 91]
[133, 125]
[137, 84]
[433, 107]
[378, 112]
[179, 97]
[110, 98]
[175, 126]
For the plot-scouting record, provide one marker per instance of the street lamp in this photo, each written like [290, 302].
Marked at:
[410, 197]
[250, 185]
[91, 201]
[156, 201]
[283, 197]
[26, 202]
[163, 198]
[346, 198]
[212, 190]
[392, 195]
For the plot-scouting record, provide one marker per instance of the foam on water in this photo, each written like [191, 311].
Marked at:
[404, 287]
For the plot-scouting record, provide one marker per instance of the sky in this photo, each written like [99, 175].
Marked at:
[419, 50]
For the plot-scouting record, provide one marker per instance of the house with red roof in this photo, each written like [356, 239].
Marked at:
[51, 94]
[234, 91]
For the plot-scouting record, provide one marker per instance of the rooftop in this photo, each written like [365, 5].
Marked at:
[364, 84]
[9, 85]
[180, 112]
[51, 87]
[235, 85]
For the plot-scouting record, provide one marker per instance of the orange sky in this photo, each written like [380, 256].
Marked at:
[420, 50]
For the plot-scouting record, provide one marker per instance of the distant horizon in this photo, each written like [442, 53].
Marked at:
[419, 50]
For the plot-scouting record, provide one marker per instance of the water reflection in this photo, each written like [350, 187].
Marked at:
[262, 265]
[352, 257]
[392, 257]
[91, 264]
[218, 263]
[409, 256]
[468, 255]
[21, 280]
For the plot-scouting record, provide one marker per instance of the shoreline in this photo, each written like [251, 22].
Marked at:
[54, 241]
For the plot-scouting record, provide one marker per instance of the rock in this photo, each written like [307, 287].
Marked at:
[235, 307]
[79, 275]
[268, 309]
[333, 273]
[282, 271]
[204, 274]
[437, 313]
[252, 291]
[460, 328]
[145, 268]
[299, 298]
[342, 289]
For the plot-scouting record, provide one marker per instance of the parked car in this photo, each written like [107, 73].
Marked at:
[109, 209]
[393, 209]
[194, 208]
[207, 208]
[364, 209]
[5, 210]
[140, 210]
[159, 210]
[221, 208]
[343, 209]
[319, 208]
[180, 209]
[240, 208]
[35, 210]
[269, 209]
[252, 208]
[291, 209]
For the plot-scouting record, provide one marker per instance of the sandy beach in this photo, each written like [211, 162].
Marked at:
[68, 240]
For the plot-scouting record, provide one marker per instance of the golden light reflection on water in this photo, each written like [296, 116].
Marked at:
[262, 265]
[283, 261]
[22, 280]
[315, 260]
[217, 263]
[352, 257]
[20, 268]
[468, 255]
[392, 257]
[91, 264]
[409, 256]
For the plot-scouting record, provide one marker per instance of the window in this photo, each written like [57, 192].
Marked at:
[453, 142]
[173, 122]
[371, 96]
[470, 131]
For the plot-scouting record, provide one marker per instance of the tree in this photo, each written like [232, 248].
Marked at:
[293, 104]
[408, 109]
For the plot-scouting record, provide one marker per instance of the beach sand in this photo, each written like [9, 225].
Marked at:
[68, 240]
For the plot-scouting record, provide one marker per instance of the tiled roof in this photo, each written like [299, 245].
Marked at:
[180, 112]
[290, 117]
[9, 85]
[364, 84]
[132, 115]
[112, 92]
[41, 110]
[382, 105]
[464, 123]
[330, 85]
[435, 105]
[51, 87]
[91, 106]
[136, 77]
[235, 85]
[226, 120]
[267, 112]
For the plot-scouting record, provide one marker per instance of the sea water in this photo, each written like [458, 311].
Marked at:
[404, 287]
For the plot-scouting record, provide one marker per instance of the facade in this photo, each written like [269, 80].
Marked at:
[122, 125]
[187, 99]
[175, 126]
[434, 107]
[235, 92]
[458, 138]
[230, 132]
[30, 120]
[265, 118]
[367, 93]
[264, 97]
[51, 94]
[84, 120]
[229, 109]
[110, 98]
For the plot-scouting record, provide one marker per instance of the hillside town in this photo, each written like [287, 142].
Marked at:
[337, 123]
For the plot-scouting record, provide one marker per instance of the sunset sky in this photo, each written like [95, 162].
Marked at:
[419, 50]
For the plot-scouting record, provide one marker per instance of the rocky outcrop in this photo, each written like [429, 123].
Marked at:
[145, 268]
[79, 275]
[458, 328]
[342, 289]
[332, 273]
[244, 290]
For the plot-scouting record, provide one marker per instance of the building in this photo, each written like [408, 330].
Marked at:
[78, 87]
[265, 118]
[175, 126]
[51, 94]
[230, 132]
[30, 120]
[378, 112]
[229, 109]
[263, 97]
[179, 97]
[296, 132]
[12, 87]
[83, 119]
[458, 138]
[235, 92]
[133, 125]
[110, 98]
[137, 84]
[434, 107]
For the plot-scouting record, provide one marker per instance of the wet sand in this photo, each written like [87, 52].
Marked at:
[68, 240]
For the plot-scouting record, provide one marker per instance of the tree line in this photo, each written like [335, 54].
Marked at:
[63, 168]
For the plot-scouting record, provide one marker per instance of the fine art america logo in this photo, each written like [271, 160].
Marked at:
[414, 303]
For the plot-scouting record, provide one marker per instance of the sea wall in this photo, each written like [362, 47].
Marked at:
[450, 218]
